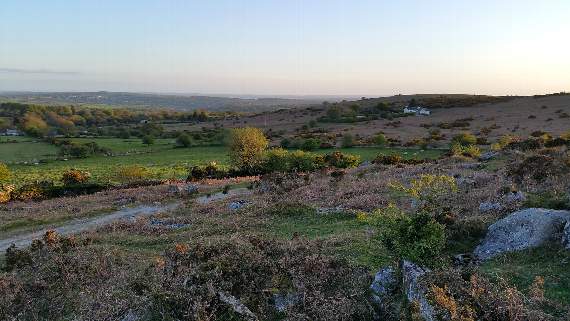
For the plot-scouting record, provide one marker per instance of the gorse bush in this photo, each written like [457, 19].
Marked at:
[429, 189]
[131, 174]
[465, 139]
[276, 160]
[75, 177]
[503, 142]
[5, 174]
[340, 160]
[280, 160]
[471, 151]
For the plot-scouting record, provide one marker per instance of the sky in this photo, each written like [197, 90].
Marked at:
[286, 47]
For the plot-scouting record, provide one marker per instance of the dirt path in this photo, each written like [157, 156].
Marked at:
[87, 224]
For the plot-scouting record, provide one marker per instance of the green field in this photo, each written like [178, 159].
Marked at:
[26, 149]
[163, 159]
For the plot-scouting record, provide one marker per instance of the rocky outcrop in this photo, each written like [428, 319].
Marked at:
[524, 229]
[237, 306]
[383, 285]
[415, 292]
[386, 283]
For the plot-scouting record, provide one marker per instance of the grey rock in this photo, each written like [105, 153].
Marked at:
[283, 301]
[191, 189]
[521, 230]
[489, 207]
[237, 306]
[470, 165]
[488, 156]
[411, 275]
[172, 226]
[130, 316]
[384, 283]
[465, 182]
[462, 259]
[515, 197]
[174, 189]
[566, 235]
[236, 205]
[329, 210]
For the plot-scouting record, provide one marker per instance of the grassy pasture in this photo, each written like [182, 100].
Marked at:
[162, 159]
[25, 149]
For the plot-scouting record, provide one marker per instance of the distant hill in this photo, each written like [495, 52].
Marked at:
[140, 100]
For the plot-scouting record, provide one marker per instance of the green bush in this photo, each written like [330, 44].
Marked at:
[211, 171]
[183, 140]
[380, 139]
[311, 144]
[416, 237]
[301, 161]
[276, 160]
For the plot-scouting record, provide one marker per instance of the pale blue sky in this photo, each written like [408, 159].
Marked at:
[368, 47]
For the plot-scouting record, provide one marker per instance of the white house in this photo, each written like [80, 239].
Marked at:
[419, 111]
[12, 132]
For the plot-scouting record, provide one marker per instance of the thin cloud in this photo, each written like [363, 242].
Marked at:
[38, 71]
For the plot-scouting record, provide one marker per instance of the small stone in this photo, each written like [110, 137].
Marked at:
[488, 156]
[489, 207]
[191, 189]
[515, 197]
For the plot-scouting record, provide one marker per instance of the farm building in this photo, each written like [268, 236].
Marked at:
[420, 111]
[12, 132]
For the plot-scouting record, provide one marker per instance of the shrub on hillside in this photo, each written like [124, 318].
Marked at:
[340, 160]
[183, 140]
[380, 139]
[247, 146]
[5, 174]
[416, 237]
[276, 160]
[347, 141]
[464, 139]
[75, 177]
[471, 151]
[301, 161]
[311, 144]
[395, 159]
[503, 142]
[464, 295]
[131, 174]
[211, 171]
[6, 193]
